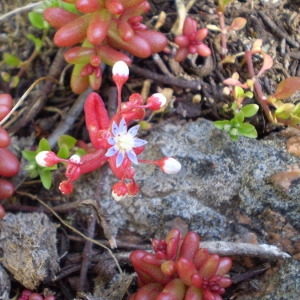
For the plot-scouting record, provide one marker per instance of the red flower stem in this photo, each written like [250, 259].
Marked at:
[223, 34]
[261, 98]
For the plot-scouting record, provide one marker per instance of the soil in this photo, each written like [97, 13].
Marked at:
[41, 115]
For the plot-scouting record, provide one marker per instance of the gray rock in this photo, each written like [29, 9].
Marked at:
[28, 245]
[4, 284]
[224, 191]
[220, 179]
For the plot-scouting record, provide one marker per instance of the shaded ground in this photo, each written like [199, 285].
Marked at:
[40, 115]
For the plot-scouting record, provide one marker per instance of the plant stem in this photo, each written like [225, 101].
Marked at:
[260, 96]
[223, 34]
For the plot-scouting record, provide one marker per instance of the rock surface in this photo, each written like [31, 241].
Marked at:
[230, 191]
[28, 246]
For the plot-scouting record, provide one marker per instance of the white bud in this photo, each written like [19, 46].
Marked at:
[170, 165]
[42, 158]
[75, 158]
[120, 68]
[117, 197]
[161, 98]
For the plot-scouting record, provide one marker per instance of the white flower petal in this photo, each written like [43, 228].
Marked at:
[133, 130]
[132, 156]
[115, 128]
[120, 159]
[139, 142]
[111, 151]
[111, 141]
[122, 127]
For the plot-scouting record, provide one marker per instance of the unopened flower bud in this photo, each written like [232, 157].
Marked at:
[156, 101]
[47, 159]
[66, 187]
[119, 191]
[75, 158]
[170, 165]
[120, 72]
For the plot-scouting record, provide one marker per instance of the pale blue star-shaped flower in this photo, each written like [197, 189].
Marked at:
[123, 142]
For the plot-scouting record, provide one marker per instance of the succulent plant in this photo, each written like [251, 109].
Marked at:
[102, 27]
[9, 163]
[179, 269]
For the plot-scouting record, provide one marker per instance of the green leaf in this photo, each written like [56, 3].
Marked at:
[29, 155]
[221, 124]
[285, 111]
[67, 140]
[238, 92]
[250, 110]
[36, 20]
[238, 118]
[46, 178]
[248, 130]
[11, 60]
[80, 152]
[248, 94]
[43, 146]
[63, 151]
[37, 42]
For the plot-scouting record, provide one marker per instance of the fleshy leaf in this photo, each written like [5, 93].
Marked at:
[287, 87]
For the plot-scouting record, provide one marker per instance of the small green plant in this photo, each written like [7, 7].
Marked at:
[65, 144]
[237, 126]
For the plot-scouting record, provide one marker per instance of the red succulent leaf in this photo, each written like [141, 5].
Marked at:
[132, 3]
[287, 88]
[88, 6]
[185, 270]
[73, 32]
[172, 240]
[6, 189]
[182, 41]
[201, 34]
[95, 79]
[210, 266]
[79, 55]
[189, 26]
[78, 83]
[98, 26]
[58, 17]
[96, 117]
[203, 50]
[156, 40]
[225, 265]
[147, 272]
[125, 30]
[115, 7]
[9, 163]
[4, 138]
[193, 293]
[138, 46]
[200, 257]
[2, 212]
[181, 54]
[148, 292]
[6, 100]
[168, 267]
[110, 56]
[190, 245]
[174, 290]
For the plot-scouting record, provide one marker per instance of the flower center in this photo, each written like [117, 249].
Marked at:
[124, 142]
